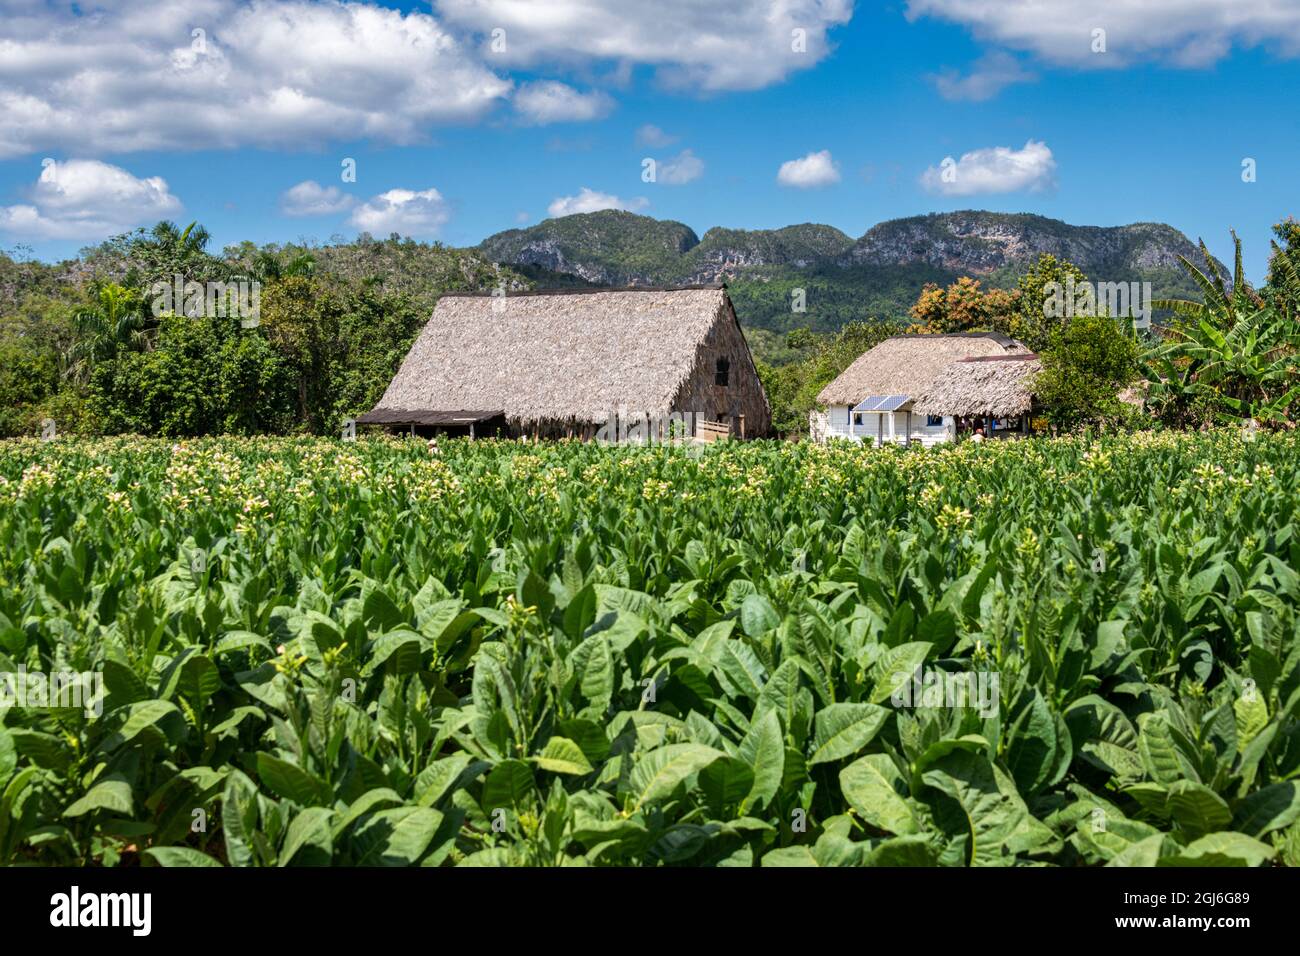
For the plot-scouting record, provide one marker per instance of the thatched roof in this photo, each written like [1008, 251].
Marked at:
[560, 356]
[908, 364]
[997, 386]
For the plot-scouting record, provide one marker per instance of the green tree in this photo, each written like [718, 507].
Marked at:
[792, 389]
[1029, 321]
[1088, 361]
[207, 376]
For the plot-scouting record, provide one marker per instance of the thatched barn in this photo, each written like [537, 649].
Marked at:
[557, 364]
[875, 398]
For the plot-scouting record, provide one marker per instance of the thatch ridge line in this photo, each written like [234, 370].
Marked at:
[595, 290]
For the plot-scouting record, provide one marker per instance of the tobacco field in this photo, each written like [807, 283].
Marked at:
[320, 652]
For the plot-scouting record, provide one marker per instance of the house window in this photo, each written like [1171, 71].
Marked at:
[857, 418]
[933, 421]
[723, 372]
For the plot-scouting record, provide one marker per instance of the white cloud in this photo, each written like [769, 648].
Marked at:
[1181, 32]
[720, 45]
[989, 76]
[403, 211]
[588, 200]
[120, 75]
[310, 198]
[547, 101]
[998, 169]
[86, 199]
[651, 135]
[272, 73]
[815, 169]
[683, 168]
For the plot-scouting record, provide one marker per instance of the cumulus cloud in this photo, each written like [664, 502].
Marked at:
[653, 136]
[683, 168]
[548, 101]
[402, 211]
[989, 76]
[588, 200]
[192, 74]
[86, 199]
[998, 169]
[815, 169]
[1181, 32]
[310, 198]
[721, 45]
[122, 76]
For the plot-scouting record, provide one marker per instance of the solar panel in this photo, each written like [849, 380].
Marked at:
[882, 403]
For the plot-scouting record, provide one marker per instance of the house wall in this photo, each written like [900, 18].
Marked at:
[742, 395]
[838, 419]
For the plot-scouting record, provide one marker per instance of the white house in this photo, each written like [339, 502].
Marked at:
[875, 398]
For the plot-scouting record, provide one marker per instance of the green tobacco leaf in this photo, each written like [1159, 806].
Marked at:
[396, 837]
[757, 616]
[875, 789]
[790, 856]
[290, 781]
[309, 838]
[841, 730]
[8, 755]
[509, 785]
[1269, 809]
[896, 667]
[1222, 849]
[561, 755]
[1145, 852]
[1197, 808]
[1032, 745]
[1251, 714]
[764, 750]
[1160, 753]
[400, 649]
[180, 856]
[658, 773]
[726, 781]
[112, 793]
[989, 816]
[144, 719]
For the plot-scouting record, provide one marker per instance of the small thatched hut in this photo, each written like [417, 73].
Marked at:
[993, 387]
[875, 398]
[556, 364]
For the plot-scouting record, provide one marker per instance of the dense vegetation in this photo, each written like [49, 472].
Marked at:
[1231, 354]
[323, 652]
[81, 342]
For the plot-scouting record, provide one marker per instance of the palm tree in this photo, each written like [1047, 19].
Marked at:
[1233, 357]
[191, 240]
[116, 320]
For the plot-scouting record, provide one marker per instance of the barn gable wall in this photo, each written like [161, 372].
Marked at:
[743, 394]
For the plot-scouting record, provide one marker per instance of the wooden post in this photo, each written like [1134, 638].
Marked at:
[742, 425]
[471, 431]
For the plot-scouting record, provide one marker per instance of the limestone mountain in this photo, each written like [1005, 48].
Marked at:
[877, 276]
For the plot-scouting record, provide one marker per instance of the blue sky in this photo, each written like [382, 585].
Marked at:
[454, 139]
